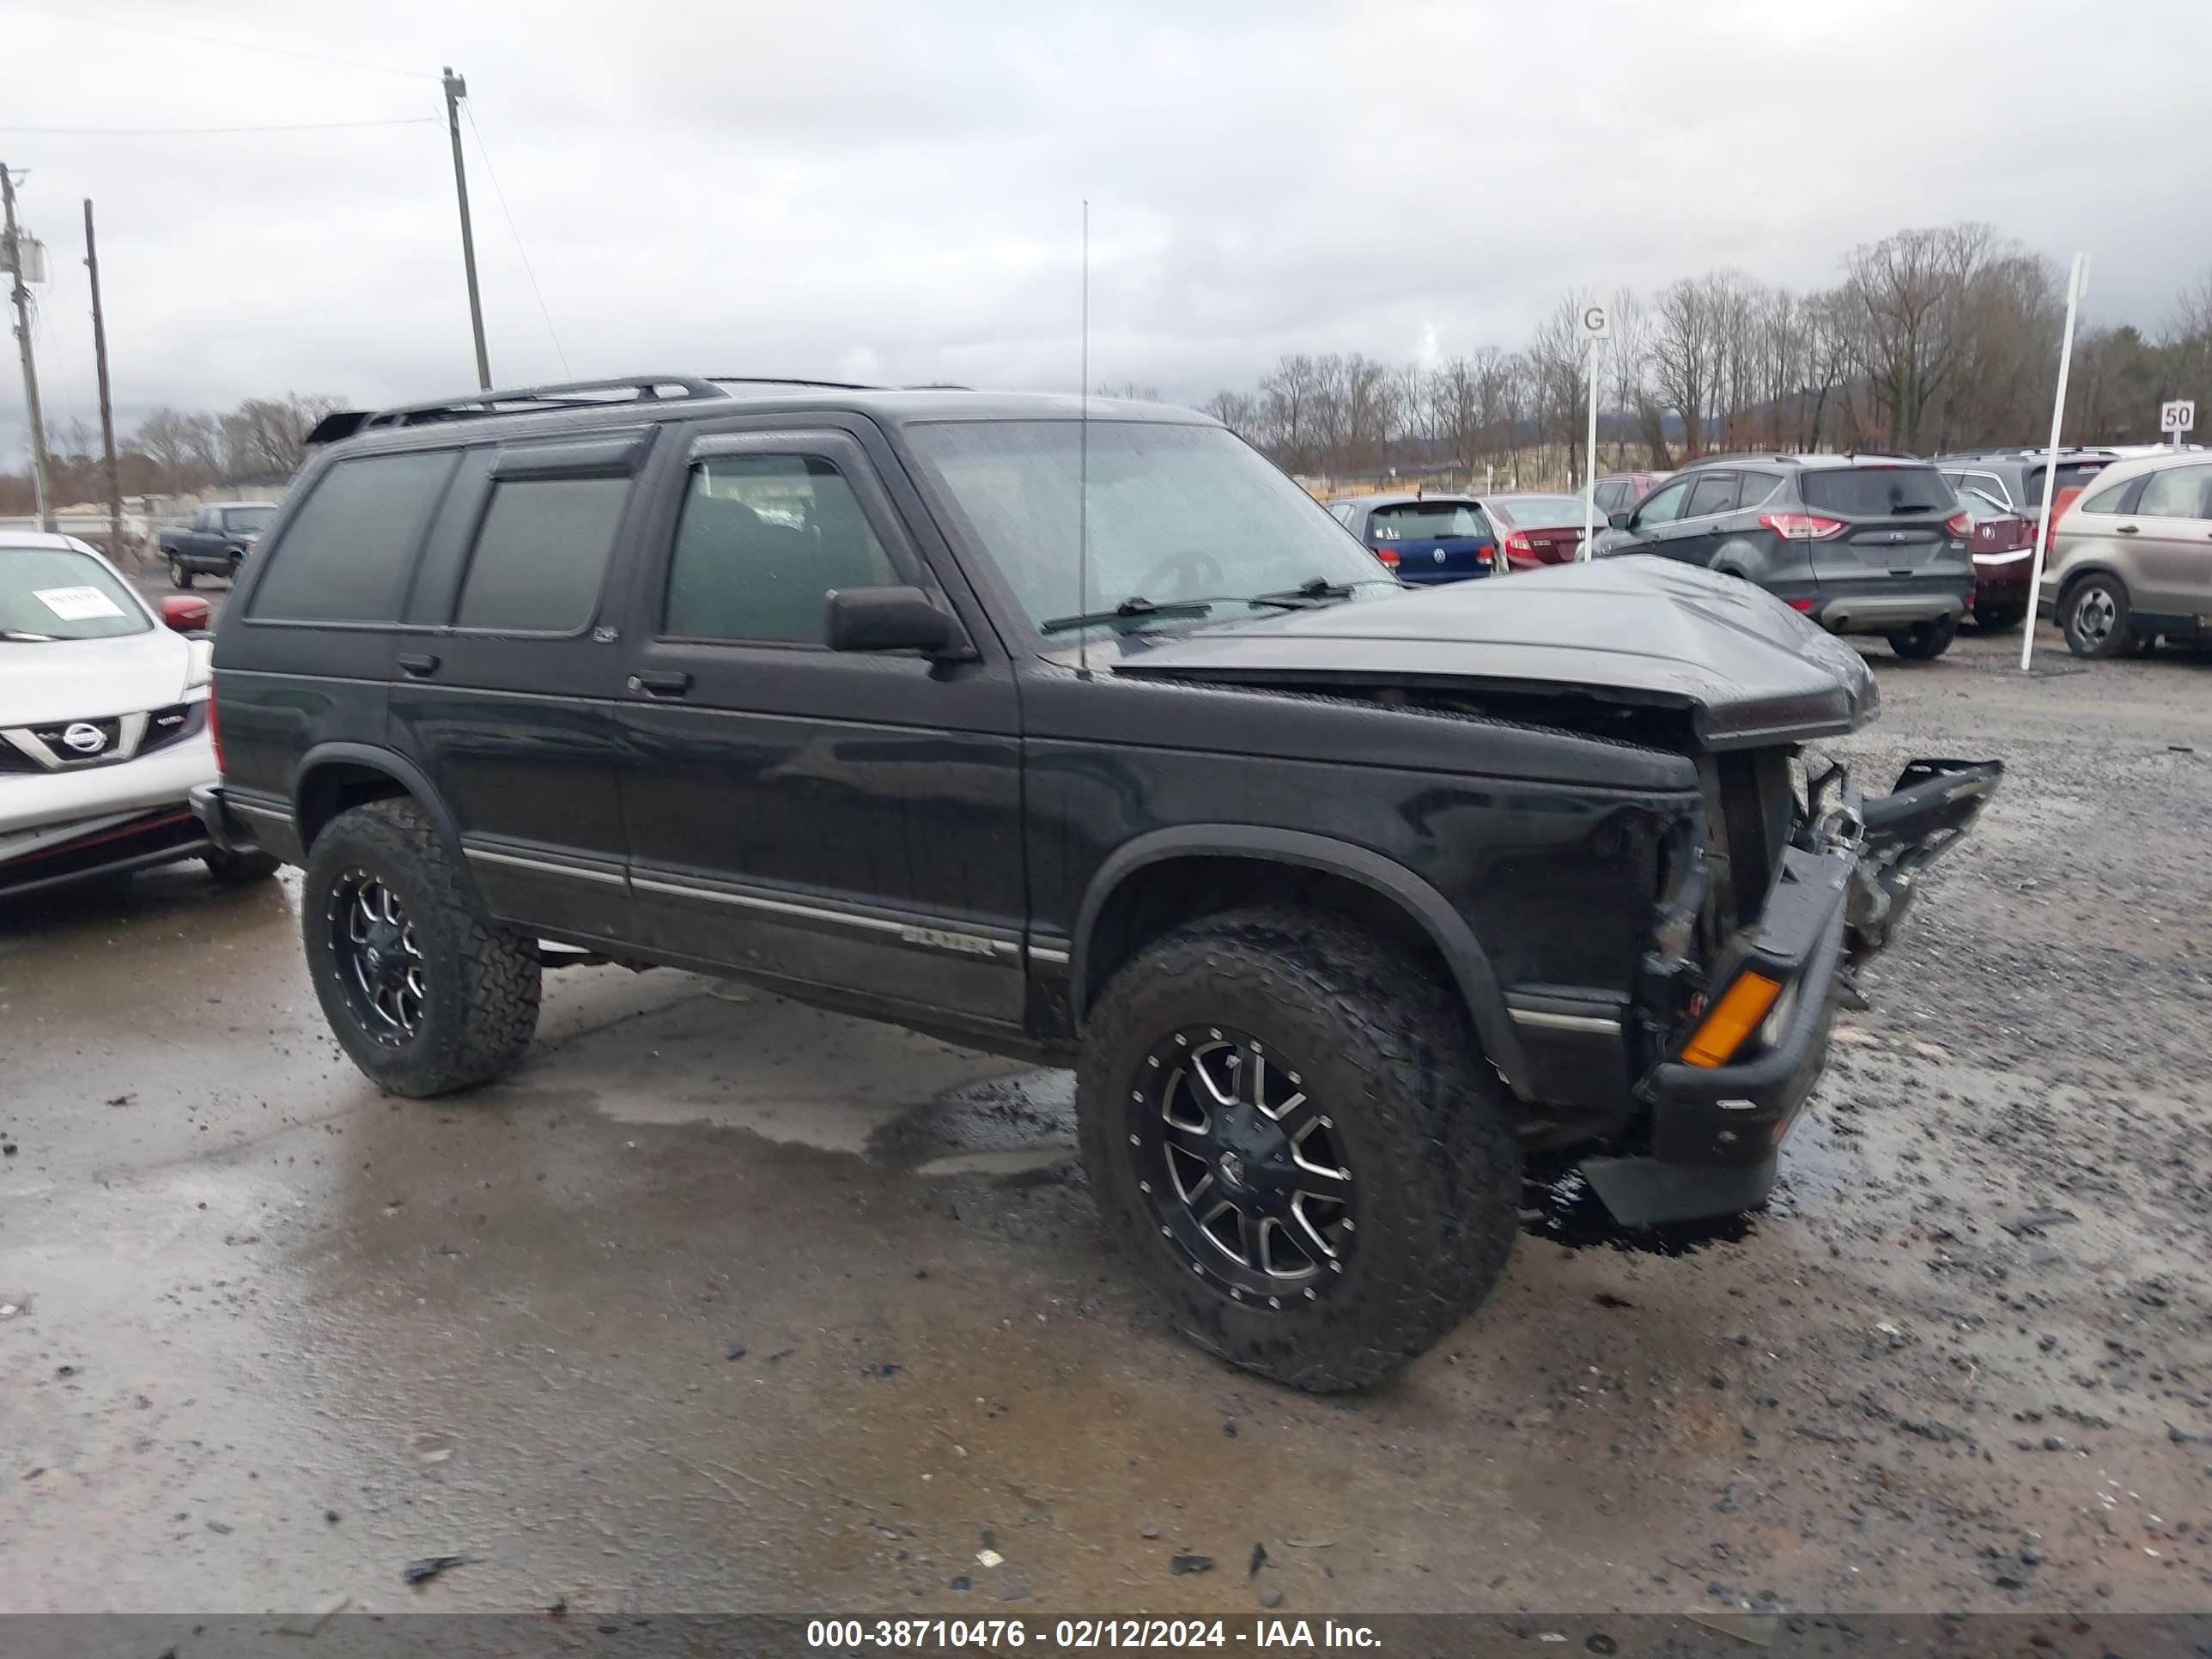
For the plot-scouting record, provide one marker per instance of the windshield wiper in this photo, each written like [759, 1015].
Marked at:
[1315, 590]
[1135, 608]
[27, 639]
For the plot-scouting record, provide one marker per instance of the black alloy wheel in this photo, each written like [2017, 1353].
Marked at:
[1244, 1169]
[380, 961]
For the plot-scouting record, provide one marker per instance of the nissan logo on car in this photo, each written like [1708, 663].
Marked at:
[85, 738]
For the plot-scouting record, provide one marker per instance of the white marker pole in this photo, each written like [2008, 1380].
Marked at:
[2075, 284]
[1597, 323]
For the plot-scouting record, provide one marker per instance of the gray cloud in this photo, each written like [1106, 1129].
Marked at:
[892, 190]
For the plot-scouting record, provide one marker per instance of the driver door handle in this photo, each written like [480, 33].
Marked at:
[419, 664]
[2126, 530]
[661, 682]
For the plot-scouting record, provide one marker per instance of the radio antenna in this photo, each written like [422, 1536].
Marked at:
[1082, 467]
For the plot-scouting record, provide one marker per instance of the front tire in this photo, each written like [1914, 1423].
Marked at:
[1292, 1135]
[426, 994]
[178, 576]
[2096, 613]
[1925, 641]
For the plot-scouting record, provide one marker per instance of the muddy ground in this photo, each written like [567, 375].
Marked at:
[724, 1303]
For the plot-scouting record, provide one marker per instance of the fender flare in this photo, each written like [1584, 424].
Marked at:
[402, 772]
[1471, 970]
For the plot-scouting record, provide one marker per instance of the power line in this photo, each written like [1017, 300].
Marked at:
[492, 172]
[74, 16]
[301, 126]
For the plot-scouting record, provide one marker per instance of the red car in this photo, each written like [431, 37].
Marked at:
[1536, 529]
[1619, 491]
[2004, 555]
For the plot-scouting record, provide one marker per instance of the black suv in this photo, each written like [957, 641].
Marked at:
[1075, 733]
[1863, 544]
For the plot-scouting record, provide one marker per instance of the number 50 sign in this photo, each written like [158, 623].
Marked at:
[2180, 416]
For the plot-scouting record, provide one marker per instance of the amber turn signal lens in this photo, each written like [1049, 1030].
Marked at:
[1733, 1017]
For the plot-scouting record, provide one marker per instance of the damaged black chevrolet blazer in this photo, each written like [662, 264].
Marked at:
[1081, 734]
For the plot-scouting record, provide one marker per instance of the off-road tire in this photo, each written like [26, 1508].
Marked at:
[238, 869]
[178, 576]
[1924, 642]
[1427, 1134]
[1999, 618]
[2118, 639]
[481, 1009]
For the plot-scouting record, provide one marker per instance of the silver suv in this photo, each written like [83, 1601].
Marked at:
[2132, 559]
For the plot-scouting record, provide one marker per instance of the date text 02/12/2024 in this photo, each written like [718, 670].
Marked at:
[1000, 1635]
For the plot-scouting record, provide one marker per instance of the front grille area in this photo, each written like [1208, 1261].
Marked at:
[69, 741]
[174, 723]
[70, 745]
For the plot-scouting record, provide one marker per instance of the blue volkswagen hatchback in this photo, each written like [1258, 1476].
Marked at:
[1424, 539]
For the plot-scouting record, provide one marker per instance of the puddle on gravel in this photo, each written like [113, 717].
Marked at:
[1558, 1205]
[1001, 1126]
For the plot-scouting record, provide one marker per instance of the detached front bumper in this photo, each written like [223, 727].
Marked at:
[1717, 1128]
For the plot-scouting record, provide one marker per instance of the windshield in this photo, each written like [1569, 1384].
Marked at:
[1418, 521]
[2072, 475]
[1875, 491]
[58, 593]
[1539, 512]
[247, 521]
[1175, 513]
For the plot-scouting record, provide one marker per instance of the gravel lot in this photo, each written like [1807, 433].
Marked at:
[723, 1302]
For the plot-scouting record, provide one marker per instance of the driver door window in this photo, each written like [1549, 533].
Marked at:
[1663, 507]
[1715, 493]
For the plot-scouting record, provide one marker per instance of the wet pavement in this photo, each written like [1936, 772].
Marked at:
[725, 1303]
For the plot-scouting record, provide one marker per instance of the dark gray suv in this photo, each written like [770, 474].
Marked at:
[1863, 544]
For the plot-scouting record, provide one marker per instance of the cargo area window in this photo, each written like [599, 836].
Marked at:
[762, 542]
[541, 555]
[345, 554]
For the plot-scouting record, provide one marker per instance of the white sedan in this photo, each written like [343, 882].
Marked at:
[103, 723]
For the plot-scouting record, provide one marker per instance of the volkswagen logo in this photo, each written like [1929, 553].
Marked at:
[85, 738]
[1440, 556]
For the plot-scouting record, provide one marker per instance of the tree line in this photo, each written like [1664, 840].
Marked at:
[1933, 340]
[173, 451]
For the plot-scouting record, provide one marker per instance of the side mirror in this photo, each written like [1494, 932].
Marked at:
[185, 613]
[893, 619]
[1618, 520]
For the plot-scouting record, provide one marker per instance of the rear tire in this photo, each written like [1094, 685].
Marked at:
[1925, 641]
[2095, 612]
[1356, 1045]
[178, 576]
[425, 993]
[238, 869]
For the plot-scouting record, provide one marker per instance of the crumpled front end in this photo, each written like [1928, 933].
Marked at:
[1741, 1017]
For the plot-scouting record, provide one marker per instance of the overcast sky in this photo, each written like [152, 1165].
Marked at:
[890, 191]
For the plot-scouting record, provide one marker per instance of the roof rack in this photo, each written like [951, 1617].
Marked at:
[518, 400]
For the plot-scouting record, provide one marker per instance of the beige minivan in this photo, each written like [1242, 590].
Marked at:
[2132, 559]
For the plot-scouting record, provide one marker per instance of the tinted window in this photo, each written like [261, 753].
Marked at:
[1612, 496]
[58, 593]
[248, 520]
[2072, 475]
[1418, 521]
[2118, 498]
[1664, 505]
[1714, 492]
[1343, 512]
[1876, 491]
[1752, 488]
[763, 541]
[1539, 512]
[1990, 485]
[345, 557]
[541, 555]
[2178, 492]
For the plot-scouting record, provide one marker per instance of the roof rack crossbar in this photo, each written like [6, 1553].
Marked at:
[538, 400]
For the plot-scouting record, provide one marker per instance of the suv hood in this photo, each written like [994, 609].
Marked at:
[90, 679]
[1634, 630]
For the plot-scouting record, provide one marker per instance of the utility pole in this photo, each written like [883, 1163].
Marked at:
[456, 90]
[22, 298]
[107, 408]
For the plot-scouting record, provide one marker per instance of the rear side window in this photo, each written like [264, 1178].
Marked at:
[1876, 491]
[763, 541]
[1714, 492]
[2178, 492]
[1755, 486]
[2116, 498]
[2072, 475]
[541, 555]
[344, 556]
[1421, 521]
